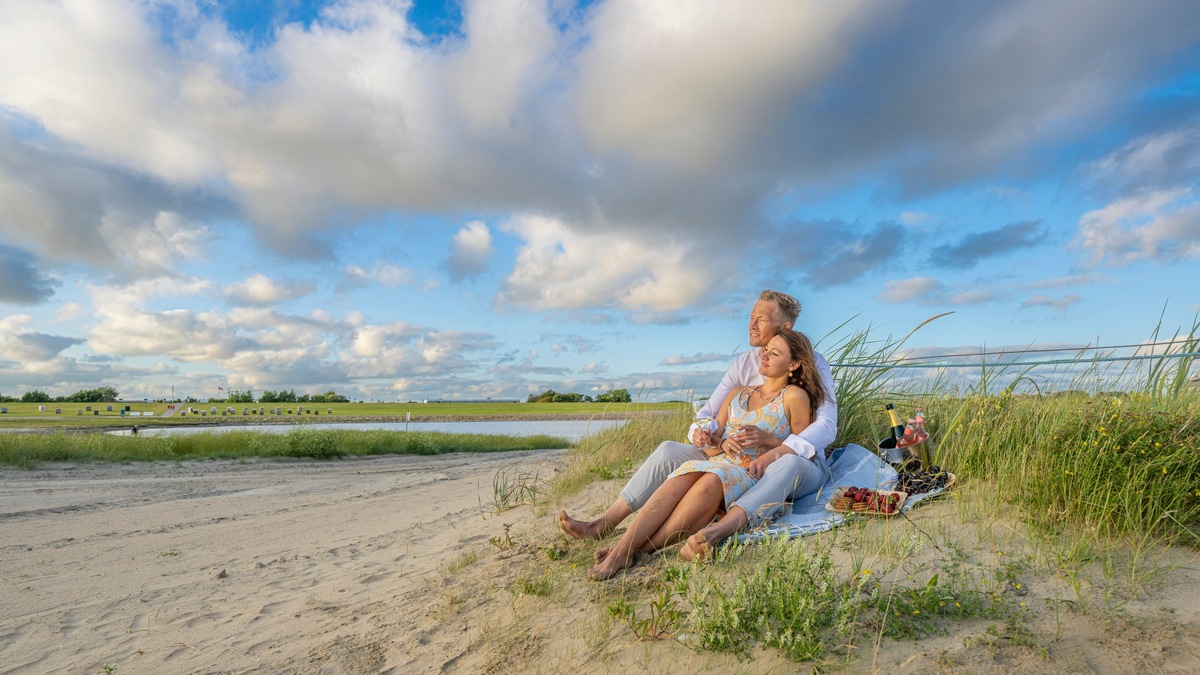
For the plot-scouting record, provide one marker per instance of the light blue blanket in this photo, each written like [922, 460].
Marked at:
[851, 466]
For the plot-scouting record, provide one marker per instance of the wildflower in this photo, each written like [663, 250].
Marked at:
[1068, 472]
[1018, 586]
[1157, 444]
[574, 565]
[916, 612]
[1022, 603]
[866, 573]
[1164, 470]
[958, 604]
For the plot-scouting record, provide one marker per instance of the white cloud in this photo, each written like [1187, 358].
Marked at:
[595, 367]
[560, 268]
[95, 73]
[1059, 303]
[684, 83]
[1162, 225]
[1167, 157]
[976, 297]
[470, 249]
[157, 245]
[917, 289]
[259, 289]
[18, 341]
[694, 359]
[387, 274]
[1069, 280]
[914, 218]
[508, 47]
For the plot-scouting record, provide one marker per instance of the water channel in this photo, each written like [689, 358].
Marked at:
[572, 430]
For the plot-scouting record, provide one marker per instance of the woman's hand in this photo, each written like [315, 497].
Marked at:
[702, 438]
[731, 447]
[750, 436]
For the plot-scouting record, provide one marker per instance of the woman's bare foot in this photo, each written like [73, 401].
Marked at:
[611, 565]
[697, 548]
[580, 529]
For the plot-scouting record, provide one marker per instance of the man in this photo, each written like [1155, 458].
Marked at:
[790, 467]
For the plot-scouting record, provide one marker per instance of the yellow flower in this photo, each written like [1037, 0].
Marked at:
[1022, 603]
[1157, 444]
[1164, 470]
[866, 573]
[916, 612]
[1068, 472]
[958, 604]
[1018, 586]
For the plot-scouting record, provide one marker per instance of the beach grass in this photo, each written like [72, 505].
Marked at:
[28, 450]
[1084, 475]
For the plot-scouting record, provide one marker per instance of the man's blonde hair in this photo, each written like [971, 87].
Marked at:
[789, 307]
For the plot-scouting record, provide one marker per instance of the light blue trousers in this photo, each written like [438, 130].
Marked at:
[786, 478]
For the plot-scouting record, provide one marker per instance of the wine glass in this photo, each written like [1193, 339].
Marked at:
[702, 419]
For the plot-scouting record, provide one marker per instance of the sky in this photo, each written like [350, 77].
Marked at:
[491, 198]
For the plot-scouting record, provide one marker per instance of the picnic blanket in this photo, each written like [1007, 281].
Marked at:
[850, 466]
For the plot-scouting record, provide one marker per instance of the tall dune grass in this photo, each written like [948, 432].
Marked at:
[1124, 462]
[1075, 457]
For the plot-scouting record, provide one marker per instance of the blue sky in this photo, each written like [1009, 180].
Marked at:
[491, 198]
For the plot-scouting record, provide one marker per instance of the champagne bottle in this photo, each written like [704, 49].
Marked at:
[897, 429]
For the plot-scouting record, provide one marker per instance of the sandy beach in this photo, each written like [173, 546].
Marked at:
[391, 565]
[236, 567]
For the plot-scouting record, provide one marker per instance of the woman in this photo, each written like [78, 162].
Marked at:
[784, 404]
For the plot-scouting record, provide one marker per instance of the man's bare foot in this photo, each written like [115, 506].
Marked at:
[580, 529]
[697, 548]
[601, 554]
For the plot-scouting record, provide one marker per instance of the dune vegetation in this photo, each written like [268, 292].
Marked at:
[1088, 489]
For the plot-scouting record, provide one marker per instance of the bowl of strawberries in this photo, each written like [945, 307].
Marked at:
[866, 500]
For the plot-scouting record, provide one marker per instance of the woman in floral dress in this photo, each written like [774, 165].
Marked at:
[785, 403]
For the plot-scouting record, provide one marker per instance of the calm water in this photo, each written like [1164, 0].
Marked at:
[572, 430]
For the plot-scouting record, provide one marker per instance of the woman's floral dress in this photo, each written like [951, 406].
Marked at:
[732, 471]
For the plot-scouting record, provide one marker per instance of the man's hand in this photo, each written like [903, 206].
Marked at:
[750, 436]
[758, 466]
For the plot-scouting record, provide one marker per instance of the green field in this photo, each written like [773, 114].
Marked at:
[77, 415]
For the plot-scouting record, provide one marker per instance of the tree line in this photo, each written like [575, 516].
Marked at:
[110, 395]
[288, 396]
[98, 395]
[551, 396]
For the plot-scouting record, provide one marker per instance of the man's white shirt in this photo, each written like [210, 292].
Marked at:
[743, 372]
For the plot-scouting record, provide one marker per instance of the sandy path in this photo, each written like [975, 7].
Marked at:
[231, 567]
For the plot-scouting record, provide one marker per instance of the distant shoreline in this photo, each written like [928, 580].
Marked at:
[297, 420]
